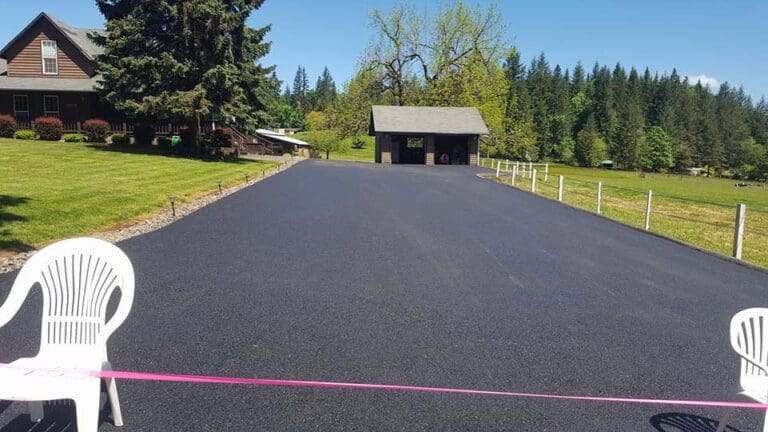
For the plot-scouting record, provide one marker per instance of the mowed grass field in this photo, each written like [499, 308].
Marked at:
[55, 190]
[697, 210]
[365, 154]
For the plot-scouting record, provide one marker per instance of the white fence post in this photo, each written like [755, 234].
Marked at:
[506, 165]
[498, 169]
[546, 172]
[530, 168]
[560, 188]
[533, 180]
[648, 211]
[599, 195]
[738, 234]
[514, 174]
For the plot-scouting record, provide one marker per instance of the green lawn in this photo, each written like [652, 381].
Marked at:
[698, 210]
[54, 190]
[365, 154]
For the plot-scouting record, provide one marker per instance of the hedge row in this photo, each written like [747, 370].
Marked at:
[96, 131]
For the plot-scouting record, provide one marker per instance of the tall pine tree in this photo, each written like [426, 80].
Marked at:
[187, 60]
[325, 91]
[520, 141]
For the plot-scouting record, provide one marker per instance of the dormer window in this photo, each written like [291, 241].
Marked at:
[50, 57]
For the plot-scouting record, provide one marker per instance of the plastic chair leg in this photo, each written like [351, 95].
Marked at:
[765, 422]
[87, 408]
[114, 401]
[723, 423]
[35, 410]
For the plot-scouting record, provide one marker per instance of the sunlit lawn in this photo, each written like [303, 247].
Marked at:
[365, 154]
[54, 190]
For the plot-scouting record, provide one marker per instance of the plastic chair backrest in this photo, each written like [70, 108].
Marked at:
[749, 338]
[77, 278]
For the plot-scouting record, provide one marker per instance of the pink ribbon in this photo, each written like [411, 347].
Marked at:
[203, 379]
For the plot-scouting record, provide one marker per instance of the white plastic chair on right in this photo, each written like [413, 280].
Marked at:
[749, 338]
[77, 278]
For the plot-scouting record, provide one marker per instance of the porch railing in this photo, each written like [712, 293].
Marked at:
[161, 129]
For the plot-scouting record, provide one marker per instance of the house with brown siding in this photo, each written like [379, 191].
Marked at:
[49, 68]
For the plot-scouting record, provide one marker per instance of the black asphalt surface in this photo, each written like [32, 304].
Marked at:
[413, 275]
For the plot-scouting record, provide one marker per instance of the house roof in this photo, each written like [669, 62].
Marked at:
[427, 120]
[78, 36]
[49, 84]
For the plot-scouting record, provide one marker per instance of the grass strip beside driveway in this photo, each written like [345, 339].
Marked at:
[54, 190]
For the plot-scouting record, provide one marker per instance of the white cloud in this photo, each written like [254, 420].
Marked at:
[712, 83]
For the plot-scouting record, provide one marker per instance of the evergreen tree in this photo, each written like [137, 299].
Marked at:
[561, 122]
[540, 91]
[579, 80]
[187, 60]
[300, 91]
[732, 122]
[758, 121]
[707, 139]
[325, 90]
[604, 111]
[628, 144]
[520, 141]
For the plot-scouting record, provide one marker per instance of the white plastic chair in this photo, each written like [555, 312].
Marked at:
[749, 338]
[77, 278]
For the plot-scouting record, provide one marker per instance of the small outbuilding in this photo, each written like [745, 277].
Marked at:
[427, 135]
[279, 143]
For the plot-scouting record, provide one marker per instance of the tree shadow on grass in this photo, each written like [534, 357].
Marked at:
[681, 422]
[7, 242]
[161, 151]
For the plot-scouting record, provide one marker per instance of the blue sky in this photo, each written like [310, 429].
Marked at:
[718, 40]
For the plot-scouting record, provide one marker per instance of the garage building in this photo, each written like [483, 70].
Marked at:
[427, 135]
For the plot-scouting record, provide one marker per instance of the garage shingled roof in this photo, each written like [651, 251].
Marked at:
[427, 120]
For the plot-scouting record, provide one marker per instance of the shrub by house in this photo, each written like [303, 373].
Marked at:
[7, 126]
[49, 128]
[96, 130]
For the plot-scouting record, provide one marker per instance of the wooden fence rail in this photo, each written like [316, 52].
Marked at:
[125, 127]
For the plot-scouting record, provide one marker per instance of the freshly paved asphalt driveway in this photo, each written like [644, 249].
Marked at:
[413, 275]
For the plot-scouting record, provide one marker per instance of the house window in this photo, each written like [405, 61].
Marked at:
[20, 106]
[50, 57]
[51, 105]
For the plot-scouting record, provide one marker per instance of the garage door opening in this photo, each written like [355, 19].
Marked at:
[452, 150]
[410, 149]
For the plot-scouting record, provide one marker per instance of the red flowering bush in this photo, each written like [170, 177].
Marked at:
[96, 130]
[7, 126]
[49, 128]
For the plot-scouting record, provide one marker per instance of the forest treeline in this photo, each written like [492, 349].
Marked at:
[458, 56]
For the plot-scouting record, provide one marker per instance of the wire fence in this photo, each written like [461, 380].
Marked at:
[707, 224]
